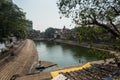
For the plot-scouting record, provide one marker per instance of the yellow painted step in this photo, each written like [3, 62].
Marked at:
[56, 73]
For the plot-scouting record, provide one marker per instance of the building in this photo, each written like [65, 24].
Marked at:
[65, 33]
[34, 34]
[62, 33]
[57, 34]
[29, 26]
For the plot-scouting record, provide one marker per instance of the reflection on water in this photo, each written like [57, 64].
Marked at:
[63, 54]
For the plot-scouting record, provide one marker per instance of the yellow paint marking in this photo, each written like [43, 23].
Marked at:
[56, 73]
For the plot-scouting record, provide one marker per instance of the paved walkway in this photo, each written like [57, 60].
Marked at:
[37, 76]
[19, 64]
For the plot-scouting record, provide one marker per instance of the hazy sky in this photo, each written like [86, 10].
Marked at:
[43, 13]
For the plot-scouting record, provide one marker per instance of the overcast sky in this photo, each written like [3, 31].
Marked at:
[43, 13]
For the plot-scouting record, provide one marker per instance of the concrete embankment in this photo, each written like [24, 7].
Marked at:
[19, 63]
[47, 75]
[86, 45]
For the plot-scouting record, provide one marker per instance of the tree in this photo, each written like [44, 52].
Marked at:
[103, 13]
[85, 33]
[12, 20]
[92, 34]
[49, 32]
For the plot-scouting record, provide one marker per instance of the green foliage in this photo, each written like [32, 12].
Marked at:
[100, 54]
[49, 32]
[117, 61]
[104, 13]
[117, 41]
[112, 47]
[12, 20]
[90, 33]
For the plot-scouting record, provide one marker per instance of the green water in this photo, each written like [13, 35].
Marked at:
[62, 54]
